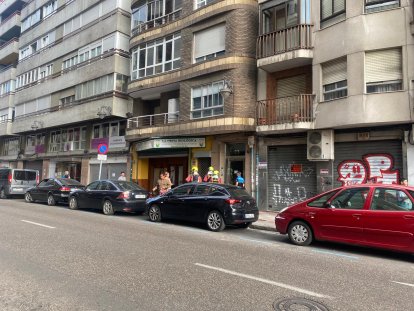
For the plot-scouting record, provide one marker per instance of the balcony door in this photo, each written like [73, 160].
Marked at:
[280, 17]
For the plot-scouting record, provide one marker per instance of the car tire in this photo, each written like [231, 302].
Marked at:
[28, 197]
[154, 213]
[244, 225]
[51, 200]
[3, 194]
[73, 203]
[108, 208]
[215, 221]
[300, 233]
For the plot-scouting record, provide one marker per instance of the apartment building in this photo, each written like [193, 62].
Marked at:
[193, 84]
[10, 23]
[71, 88]
[335, 96]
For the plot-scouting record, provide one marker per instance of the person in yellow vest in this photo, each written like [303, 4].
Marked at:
[209, 176]
[194, 175]
[216, 177]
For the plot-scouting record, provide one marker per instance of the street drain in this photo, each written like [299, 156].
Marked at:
[298, 304]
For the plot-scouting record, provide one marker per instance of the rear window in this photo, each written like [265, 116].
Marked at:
[238, 193]
[69, 182]
[127, 185]
[24, 175]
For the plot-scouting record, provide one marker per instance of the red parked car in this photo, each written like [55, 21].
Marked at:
[376, 215]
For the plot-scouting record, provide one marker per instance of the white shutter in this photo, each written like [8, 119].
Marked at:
[334, 71]
[67, 28]
[210, 41]
[90, 15]
[30, 107]
[108, 6]
[326, 9]
[339, 5]
[19, 110]
[109, 43]
[384, 65]
[43, 103]
[291, 86]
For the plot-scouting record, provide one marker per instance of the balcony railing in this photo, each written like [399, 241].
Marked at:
[153, 120]
[291, 109]
[156, 22]
[4, 119]
[282, 41]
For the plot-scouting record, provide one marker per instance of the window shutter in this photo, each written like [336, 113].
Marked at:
[108, 43]
[43, 102]
[90, 15]
[385, 65]
[339, 5]
[334, 71]
[291, 86]
[210, 41]
[326, 9]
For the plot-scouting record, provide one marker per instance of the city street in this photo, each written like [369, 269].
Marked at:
[53, 258]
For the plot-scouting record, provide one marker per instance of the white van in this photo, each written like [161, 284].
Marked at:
[16, 181]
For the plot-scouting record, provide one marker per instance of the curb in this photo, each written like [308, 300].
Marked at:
[261, 227]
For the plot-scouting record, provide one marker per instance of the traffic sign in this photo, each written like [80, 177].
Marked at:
[102, 149]
[102, 157]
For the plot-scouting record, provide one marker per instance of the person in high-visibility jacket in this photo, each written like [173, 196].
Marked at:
[216, 177]
[209, 176]
[194, 176]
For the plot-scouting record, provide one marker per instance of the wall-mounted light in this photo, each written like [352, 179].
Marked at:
[104, 111]
[227, 89]
[36, 125]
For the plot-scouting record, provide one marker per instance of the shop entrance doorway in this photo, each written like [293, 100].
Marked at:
[177, 167]
[234, 165]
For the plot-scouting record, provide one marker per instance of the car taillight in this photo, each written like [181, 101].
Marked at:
[37, 179]
[65, 189]
[233, 201]
[124, 195]
[10, 178]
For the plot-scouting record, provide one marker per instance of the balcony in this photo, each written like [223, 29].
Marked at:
[167, 124]
[285, 49]
[10, 27]
[287, 114]
[9, 6]
[162, 20]
[9, 51]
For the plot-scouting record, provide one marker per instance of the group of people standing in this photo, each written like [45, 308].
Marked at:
[212, 176]
[163, 184]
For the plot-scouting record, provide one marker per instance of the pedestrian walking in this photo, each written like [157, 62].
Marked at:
[66, 175]
[122, 177]
[239, 180]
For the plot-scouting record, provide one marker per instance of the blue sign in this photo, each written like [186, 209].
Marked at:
[102, 149]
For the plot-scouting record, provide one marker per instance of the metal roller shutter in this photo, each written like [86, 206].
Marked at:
[352, 153]
[34, 165]
[291, 177]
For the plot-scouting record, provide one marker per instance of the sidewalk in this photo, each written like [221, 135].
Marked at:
[266, 221]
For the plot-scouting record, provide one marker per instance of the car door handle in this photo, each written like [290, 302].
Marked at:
[409, 216]
[357, 216]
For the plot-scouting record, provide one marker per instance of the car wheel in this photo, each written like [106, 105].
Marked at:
[51, 200]
[244, 225]
[215, 221]
[154, 213]
[73, 203]
[107, 208]
[3, 194]
[300, 233]
[28, 197]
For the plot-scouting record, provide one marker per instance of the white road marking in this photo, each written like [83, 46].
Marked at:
[37, 224]
[286, 286]
[407, 284]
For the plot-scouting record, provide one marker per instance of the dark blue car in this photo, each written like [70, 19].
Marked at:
[216, 205]
[110, 196]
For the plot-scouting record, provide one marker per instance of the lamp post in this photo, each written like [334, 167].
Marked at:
[227, 90]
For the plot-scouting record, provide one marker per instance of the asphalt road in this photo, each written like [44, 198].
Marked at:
[52, 258]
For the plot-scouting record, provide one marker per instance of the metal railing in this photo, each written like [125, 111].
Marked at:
[156, 22]
[153, 120]
[283, 110]
[281, 41]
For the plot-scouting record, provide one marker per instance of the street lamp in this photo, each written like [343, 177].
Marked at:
[104, 111]
[227, 89]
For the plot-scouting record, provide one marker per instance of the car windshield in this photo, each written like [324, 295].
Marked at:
[238, 193]
[127, 185]
[24, 175]
[69, 182]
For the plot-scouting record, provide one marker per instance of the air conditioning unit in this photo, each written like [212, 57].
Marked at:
[320, 145]
[173, 106]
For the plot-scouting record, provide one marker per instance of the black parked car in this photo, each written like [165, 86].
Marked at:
[216, 205]
[110, 196]
[52, 190]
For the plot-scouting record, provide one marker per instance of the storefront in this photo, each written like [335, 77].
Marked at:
[291, 177]
[111, 168]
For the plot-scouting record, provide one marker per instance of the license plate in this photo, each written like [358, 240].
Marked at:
[140, 196]
[249, 216]
[18, 189]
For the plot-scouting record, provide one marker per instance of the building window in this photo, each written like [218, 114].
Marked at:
[207, 101]
[49, 8]
[334, 79]
[11, 147]
[332, 11]
[111, 129]
[383, 71]
[200, 3]
[210, 43]
[68, 139]
[154, 13]
[156, 57]
[284, 16]
[380, 5]
[95, 87]
[67, 101]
